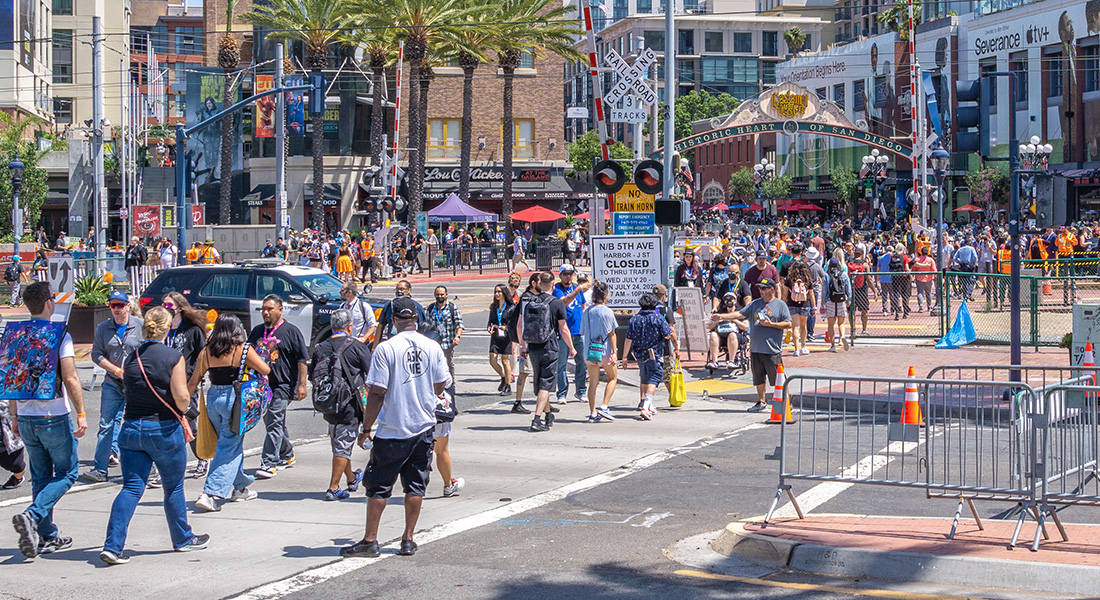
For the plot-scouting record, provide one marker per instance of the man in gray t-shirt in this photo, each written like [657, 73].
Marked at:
[769, 320]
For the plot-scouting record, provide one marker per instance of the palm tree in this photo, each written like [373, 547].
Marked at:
[318, 24]
[229, 57]
[379, 49]
[470, 47]
[795, 39]
[536, 27]
[421, 24]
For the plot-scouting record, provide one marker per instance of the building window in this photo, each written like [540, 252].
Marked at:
[685, 41]
[527, 59]
[62, 7]
[444, 138]
[1054, 67]
[645, 6]
[1018, 67]
[63, 111]
[859, 96]
[619, 10]
[189, 40]
[882, 90]
[1092, 68]
[821, 93]
[987, 68]
[838, 95]
[158, 36]
[654, 40]
[524, 144]
[685, 71]
[742, 42]
[713, 194]
[137, 42]
[712, 41]
[62, 55]
[771, 43]
[767, 72]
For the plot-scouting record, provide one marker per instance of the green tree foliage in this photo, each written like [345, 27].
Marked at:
[695, 106]
[795, 38]
[741, 187]
[584, 152]
[896, 17]
[32, 194]
[988, 187]
[777, 187]
[847, 185]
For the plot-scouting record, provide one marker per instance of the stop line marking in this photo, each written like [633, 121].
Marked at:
[344, 566]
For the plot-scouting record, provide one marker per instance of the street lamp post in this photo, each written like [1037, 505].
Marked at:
[940, 160]
[763, 171]
[876, 165]
[15, 168]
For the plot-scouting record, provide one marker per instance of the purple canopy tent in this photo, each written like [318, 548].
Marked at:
[454, 210]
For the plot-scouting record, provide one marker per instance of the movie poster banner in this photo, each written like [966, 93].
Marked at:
[205, 95]
[265, 107]
[295, 108]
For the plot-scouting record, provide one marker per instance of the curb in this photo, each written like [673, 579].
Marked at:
[735, 542]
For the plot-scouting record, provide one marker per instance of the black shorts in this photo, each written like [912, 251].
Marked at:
[859, 299]
[411, 459]
[764, 367]
[16, 462]
[544, 366]
[500, 344]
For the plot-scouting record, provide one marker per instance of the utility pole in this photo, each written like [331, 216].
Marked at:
[280, 147]
[669, 144]
[99, 194]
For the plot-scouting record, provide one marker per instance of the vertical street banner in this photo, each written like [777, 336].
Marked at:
[167, 216]
[295, 108]
[198, 214]
[265, 107]
[147, 220]
[205, 94]
[630, 265]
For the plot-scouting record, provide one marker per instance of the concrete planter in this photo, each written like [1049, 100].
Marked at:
[83, 321]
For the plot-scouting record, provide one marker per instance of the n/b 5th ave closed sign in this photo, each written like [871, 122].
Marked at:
[630, 265]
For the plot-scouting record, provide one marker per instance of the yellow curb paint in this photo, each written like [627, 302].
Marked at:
[714, 386]
[813, 587]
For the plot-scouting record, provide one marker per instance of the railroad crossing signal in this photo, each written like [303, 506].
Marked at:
[609, 176]
[631, 77]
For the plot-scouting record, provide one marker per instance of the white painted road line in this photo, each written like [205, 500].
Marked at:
[339, 567]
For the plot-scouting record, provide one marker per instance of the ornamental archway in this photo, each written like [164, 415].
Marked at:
[790, 109]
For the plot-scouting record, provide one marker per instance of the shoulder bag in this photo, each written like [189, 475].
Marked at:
[251, 398]
[188, 435]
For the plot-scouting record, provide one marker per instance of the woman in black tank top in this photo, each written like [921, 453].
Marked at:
[222, 358]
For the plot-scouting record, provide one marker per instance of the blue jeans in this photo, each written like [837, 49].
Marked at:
[111, 404]
[277, 446]
[51, 449]
[580, 370]
[143, 444]
[227, 467]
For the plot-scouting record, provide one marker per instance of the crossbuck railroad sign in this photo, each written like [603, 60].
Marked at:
[631, 77]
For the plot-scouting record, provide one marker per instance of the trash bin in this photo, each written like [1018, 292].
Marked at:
[544, 256]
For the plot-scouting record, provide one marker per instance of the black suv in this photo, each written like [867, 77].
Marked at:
[309, 295]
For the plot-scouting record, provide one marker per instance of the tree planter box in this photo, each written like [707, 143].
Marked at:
[83, 321]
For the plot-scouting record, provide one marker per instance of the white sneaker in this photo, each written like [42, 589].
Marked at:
[456, 485]
[208, 503]
[805, 351]
[243, 495]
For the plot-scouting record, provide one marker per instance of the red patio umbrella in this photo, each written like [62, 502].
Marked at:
[755, 206]
[584, 215]
[720, 206]
[537, 214]
[810, 207]
[969, 208]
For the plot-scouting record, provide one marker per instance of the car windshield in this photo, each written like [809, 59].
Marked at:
[321, 283]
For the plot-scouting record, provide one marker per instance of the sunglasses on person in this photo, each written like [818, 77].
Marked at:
[118, 306]
[168, 306]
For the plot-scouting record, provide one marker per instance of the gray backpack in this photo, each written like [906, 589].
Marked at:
[538, 327]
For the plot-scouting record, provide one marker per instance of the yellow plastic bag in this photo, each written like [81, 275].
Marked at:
[677, 393]
[206, 440]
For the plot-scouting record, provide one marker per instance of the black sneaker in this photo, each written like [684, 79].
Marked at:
[28, 536]
[114, 559]
[537, 424]
[554, 409]
[519, 409]
[500, 386]
[202, 468]
[12, 483]
[57, 543]
[363, 549]
[549, 420]
[198, 542]
[408, 548]
[506, 390]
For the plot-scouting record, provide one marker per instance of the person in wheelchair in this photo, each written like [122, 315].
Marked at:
[729, 330]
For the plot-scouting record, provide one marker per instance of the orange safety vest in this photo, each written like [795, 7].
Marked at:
[367, 246]
[1066, 242]
[1042, 248]
[192, 256]
[1004, 260]
[208, 256]
[923, 243]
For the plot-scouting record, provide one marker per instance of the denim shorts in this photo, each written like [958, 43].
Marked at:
[805, 310]
[651, 371]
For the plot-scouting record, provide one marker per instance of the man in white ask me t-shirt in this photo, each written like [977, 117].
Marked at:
[50, 440]
[407, 374]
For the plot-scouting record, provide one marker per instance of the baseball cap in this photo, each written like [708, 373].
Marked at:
[566, 268]
[404, 308]
[120, 296]
[765, 283]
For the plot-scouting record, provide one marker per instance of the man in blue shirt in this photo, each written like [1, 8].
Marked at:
[646, 335]
[886, 281]
[965, 260]
[572, 295]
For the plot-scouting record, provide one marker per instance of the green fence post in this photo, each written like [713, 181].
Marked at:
[1035, 283]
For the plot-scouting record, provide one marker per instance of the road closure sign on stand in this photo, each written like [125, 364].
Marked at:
[62, 273]
[630, 265]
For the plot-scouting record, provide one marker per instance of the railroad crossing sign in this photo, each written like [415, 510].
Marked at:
[631, 77]
[62, 274]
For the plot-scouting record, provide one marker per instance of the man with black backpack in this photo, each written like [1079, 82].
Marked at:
[14, 275]
[338, 369]
[542, 325]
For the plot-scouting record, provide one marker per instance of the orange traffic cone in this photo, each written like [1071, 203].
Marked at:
[1048, 289]
[1088, 360]
[777, 396]
[912, 415]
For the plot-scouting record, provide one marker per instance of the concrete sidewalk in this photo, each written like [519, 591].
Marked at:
[914, 549]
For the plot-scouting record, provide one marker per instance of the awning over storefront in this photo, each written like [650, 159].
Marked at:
[486, 184]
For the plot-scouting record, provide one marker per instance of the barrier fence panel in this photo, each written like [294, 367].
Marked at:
[1068, 424]
[1036, 376]
[892, 305]
[952, 439]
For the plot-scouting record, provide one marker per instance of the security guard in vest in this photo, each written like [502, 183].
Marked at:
[193, 253]
[209, 254]
[366, 245]
[1004, 266]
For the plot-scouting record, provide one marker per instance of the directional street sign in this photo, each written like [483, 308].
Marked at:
[631, 77]
[62, 274]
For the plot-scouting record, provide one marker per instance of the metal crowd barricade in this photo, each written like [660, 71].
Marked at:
[1037, 376]
[971, 446]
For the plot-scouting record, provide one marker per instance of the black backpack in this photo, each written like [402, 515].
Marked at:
[897, 263]
[837, 292]
[332, 392]
[537, 325]
[12, 272]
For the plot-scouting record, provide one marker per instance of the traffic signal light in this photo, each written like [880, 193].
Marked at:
[649, 176]
[608, 176]
[369, 204]
[675, 211]
[387, 205]
[316, 94]
[979, 92]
